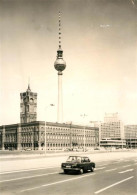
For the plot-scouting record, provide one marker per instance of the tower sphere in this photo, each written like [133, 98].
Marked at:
[60, 64]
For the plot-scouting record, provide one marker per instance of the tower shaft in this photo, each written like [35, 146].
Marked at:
[60, 100]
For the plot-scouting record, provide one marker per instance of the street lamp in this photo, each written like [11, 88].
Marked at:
[46, 125]
[83, 116]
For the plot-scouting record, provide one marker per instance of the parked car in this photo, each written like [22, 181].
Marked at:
[96, 148]
[80, 164]
[10, 148]
[27, 149]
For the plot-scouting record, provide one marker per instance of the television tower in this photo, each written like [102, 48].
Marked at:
[60, 65]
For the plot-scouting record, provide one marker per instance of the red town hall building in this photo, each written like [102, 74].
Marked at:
[30, 133]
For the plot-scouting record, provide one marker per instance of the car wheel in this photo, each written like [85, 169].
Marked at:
[81, 171]
[65, 171]
[92, 169]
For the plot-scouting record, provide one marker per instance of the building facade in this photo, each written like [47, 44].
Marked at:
[111, 117]
[112, 129]
[30, 133]
[58, 136]
[21, 136]
[113, 143]
[131, 135]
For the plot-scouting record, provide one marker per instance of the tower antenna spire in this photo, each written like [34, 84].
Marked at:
[59, 30]
[29, 84]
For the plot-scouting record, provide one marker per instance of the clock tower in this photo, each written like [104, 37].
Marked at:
[28, 106]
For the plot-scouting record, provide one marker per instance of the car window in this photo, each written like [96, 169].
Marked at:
[85, 159]
[74, 159]
[79, 159]
[71, 158]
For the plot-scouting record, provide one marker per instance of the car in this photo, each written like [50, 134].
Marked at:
[96, 148]
[79, 164]
[10, 148]
[27, 149]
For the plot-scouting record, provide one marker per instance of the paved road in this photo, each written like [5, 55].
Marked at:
[111, 177]
[18, 163]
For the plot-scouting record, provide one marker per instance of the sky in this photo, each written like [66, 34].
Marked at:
[99, 40]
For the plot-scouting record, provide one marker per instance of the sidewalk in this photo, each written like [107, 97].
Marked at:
[56, 160]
